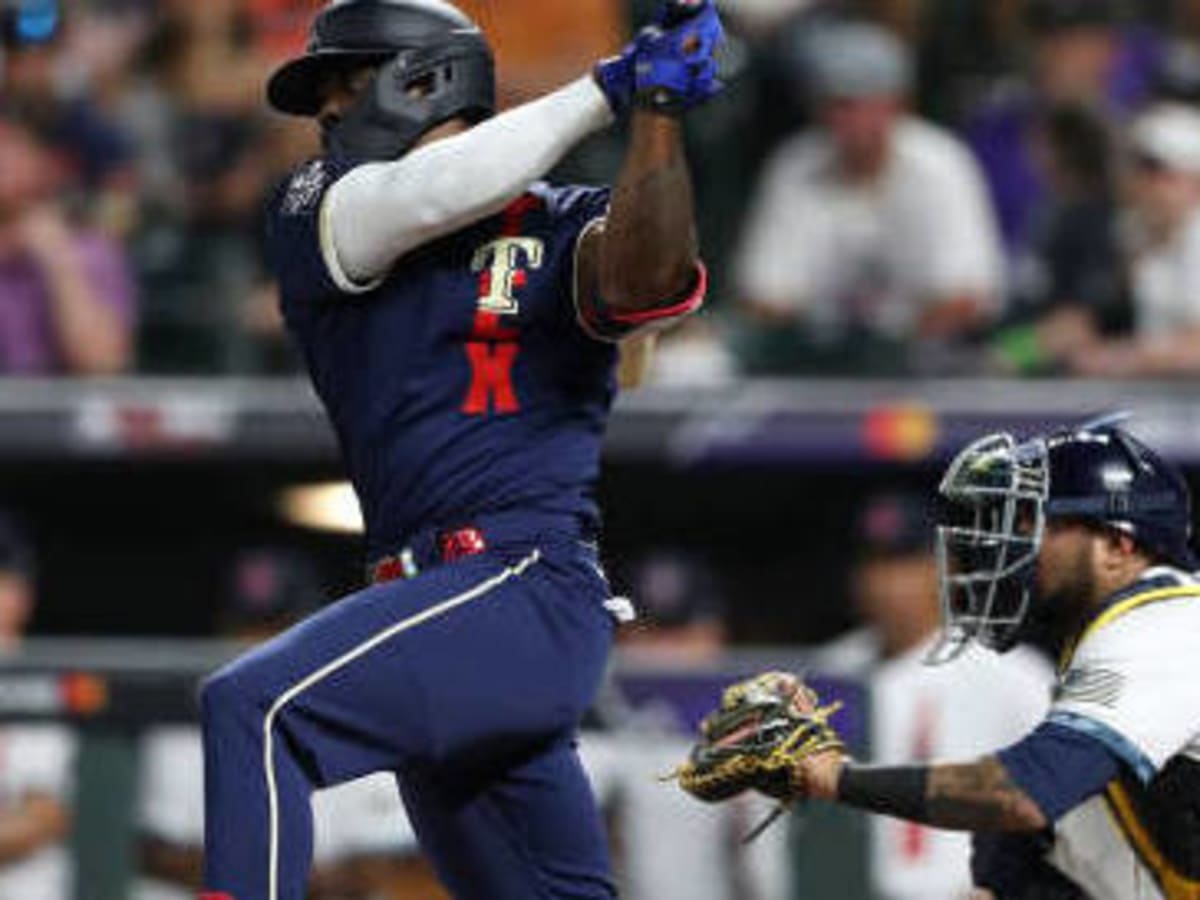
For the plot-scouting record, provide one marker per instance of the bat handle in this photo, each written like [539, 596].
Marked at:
[678, 11]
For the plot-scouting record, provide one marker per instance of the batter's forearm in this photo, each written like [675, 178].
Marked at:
[649, 251]
[978, 796]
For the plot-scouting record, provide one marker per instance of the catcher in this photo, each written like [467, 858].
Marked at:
[1083, 534]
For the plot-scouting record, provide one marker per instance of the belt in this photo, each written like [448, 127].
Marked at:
[432, 547]
[451, 547]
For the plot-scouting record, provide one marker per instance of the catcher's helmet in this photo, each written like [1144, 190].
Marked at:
[998, 494]
[425, 44]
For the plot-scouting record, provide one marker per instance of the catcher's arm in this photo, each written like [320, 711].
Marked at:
[771, 734]
[1022, 788]
[977, 796]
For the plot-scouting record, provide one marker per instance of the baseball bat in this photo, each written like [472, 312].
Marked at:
[680, 11]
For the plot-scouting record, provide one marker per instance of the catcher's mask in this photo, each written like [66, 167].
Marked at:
[993, 514]
[434, 66]
[998, 495]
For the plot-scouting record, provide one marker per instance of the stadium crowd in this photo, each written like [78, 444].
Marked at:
[889, 187]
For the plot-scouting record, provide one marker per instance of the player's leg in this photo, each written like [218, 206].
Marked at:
[240, 820]
[532, 832]
[480, 658]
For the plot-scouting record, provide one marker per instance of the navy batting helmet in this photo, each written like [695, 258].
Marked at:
[998, 495]
[435, 64]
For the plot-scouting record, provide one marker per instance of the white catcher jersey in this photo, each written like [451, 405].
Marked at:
[1133, 682]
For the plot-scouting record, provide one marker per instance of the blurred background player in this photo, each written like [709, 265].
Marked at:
[919, 712]
[1071, 286]
[681, 630]
[1163, 238]
[37, 762]
[1078, 55]
[840, 248]
[365, 847]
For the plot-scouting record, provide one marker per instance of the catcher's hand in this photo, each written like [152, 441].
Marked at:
[763, 728]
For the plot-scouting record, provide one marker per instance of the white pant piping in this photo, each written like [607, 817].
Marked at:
[344, 660]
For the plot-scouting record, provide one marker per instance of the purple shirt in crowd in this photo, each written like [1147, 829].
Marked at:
[1001, 134]
[28, 344]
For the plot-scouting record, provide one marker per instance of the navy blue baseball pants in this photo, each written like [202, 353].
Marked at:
[468, 681]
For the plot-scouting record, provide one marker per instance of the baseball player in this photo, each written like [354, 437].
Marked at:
[37, 760]
[1084, 535]
[461, 322]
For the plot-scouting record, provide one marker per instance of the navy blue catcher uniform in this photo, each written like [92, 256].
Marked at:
[469, 391]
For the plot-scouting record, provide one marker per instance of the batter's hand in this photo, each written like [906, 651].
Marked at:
[670, 67]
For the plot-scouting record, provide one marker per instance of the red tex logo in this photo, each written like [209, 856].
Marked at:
[503, 266]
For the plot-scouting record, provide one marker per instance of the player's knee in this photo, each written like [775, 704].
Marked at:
[230, 693]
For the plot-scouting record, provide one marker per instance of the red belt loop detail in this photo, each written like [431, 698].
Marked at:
[390, 569]
[456, 545]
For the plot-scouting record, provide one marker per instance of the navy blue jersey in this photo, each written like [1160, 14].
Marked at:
[465, 383]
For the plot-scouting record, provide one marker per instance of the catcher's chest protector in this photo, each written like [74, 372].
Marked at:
[1168, 811]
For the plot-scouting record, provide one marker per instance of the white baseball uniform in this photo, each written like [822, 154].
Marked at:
[37, 759]
[1133, 682]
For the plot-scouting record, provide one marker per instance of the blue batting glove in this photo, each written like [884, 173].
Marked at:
[670, 66]
[676, 67]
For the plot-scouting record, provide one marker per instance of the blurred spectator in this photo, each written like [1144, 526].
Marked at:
[869, 236]
[54, 87]
[1164, 231]
[364, 846]
[280, 26]
[67, 301]
[1179, 75]
[1078, 55]
[37, 762]
[541, 46]
[211, 155]
[1071, 286]
[920, 712]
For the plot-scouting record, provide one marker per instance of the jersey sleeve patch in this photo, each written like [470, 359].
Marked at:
[1060, 766]
[604, 323]
[1091, 684]
[306, 188]
[298, 240]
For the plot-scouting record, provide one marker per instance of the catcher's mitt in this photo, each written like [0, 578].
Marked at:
[762, 728]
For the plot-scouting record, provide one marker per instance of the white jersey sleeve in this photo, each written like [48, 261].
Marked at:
[381, 211]
[1134, 683]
